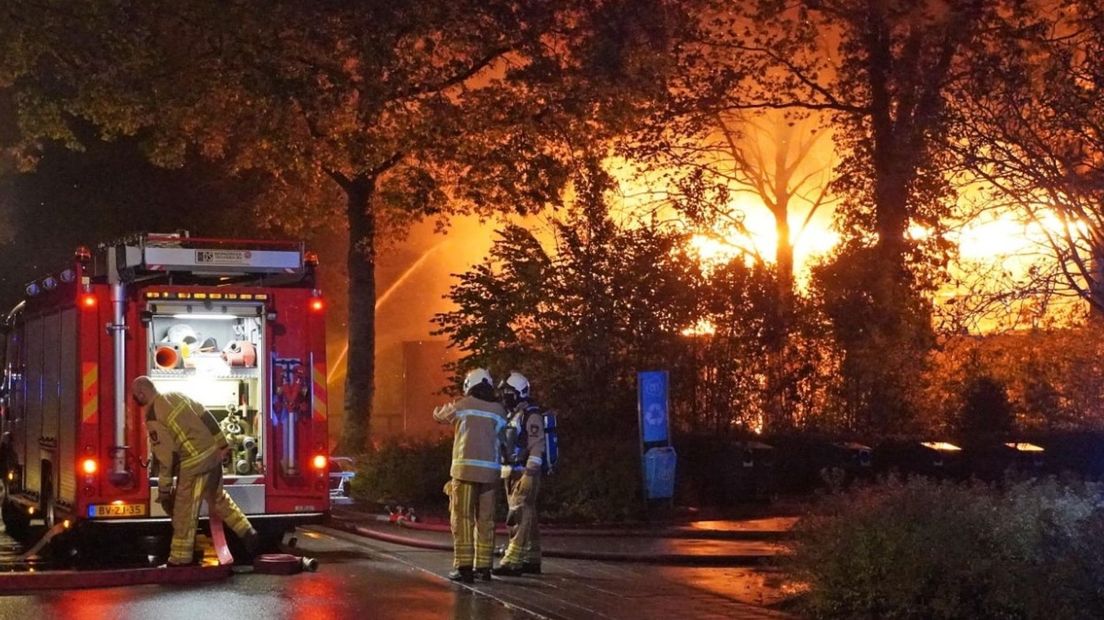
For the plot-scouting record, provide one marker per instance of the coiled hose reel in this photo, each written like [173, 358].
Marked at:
[243, 445]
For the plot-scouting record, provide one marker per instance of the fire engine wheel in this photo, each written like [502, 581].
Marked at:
[49, 515]
[17, 522]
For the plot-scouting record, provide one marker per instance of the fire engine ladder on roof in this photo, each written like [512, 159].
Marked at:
[153, 253]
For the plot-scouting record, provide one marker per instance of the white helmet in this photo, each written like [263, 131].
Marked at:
[518, 383]
[181, 333]
[477, 376]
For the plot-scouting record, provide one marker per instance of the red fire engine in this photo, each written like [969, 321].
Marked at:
[237, 325]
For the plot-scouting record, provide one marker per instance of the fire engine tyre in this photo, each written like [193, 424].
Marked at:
[270, 541]
[49, 514]
[16, 521]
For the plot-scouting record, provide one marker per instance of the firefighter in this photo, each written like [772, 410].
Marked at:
[184, 436]
[524, 460]
[477, 419]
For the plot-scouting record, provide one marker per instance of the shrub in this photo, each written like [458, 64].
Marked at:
[411, 472]
[925, 549]
[596, 481]
[985, 408]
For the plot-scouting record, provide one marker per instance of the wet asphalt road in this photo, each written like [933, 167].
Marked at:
[362, 579]
[352, 582]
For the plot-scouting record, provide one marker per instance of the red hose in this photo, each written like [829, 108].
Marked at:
[24, 581]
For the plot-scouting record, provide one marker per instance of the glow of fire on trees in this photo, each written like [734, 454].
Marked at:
[702, 328]
[720, 245]
[1003, 239]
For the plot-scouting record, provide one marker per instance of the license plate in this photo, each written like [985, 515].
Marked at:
[117, 510]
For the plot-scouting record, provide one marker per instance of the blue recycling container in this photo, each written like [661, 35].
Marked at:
[659, 473]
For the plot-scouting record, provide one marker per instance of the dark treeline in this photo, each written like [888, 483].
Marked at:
[368, 116]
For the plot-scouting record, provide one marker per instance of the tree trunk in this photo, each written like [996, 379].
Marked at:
[891, 174]
[1095, 285]
[784, 268]
[361, 258]
[779, 416]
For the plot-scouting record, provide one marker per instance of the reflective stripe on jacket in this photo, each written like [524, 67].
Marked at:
[179, 425]
[475, 446]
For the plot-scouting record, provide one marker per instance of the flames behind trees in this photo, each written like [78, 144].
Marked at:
[747, 123]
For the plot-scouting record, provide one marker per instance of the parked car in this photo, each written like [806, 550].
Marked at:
[342, 470]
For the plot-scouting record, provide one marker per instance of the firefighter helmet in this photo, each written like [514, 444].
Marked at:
[519, 382]
[181, 333]
[514, 389]
[477, 376]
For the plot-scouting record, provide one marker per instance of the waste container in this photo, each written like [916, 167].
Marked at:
[659, 473]
[936, 459]
[1080, 453]
[806, 462]
[994, 460]
[746, 472]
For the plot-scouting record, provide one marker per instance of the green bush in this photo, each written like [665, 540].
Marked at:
[925, 549]
[411, 473]
[599, 482]
[596, 481]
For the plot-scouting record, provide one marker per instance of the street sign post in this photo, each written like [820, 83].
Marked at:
[657, 456]
[653, 406]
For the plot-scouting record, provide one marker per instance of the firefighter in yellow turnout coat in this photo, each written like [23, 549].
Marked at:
[477, 419]
[184, 436]
[524, 460]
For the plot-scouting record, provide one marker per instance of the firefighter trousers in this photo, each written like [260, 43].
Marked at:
[521, 497]
[192, 488]
[471, 515]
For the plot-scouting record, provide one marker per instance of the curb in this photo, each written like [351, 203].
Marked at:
[746, 535]
[672, 559]
[23, 581]
[626, 532]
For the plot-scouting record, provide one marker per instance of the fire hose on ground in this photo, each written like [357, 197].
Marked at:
[16, 582]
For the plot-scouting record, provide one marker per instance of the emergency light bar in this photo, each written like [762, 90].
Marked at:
[185, 310]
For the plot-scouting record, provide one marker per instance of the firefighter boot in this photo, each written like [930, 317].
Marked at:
[483, 573]
[251, 540]
[464, 574]
[531, 567]
[508, 570]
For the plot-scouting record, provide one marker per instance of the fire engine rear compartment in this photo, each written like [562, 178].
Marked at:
[215, 353]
